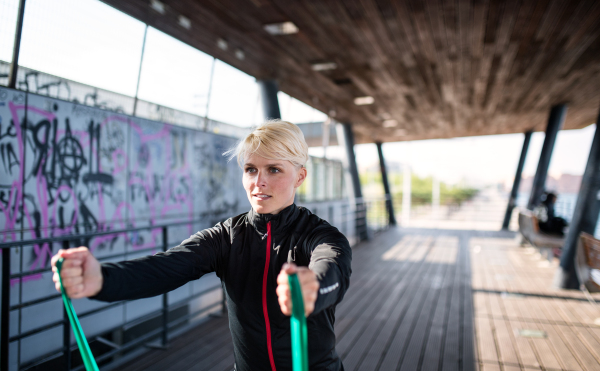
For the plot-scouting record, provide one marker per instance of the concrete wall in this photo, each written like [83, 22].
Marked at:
[73, 169]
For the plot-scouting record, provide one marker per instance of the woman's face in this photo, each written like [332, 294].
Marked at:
[271, 184]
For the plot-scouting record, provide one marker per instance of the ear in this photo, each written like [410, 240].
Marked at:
[301, 176]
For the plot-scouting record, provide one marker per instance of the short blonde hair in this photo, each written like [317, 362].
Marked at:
[273, 140]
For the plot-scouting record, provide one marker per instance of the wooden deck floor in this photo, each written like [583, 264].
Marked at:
[435, 300]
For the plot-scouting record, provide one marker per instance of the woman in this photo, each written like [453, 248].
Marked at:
[252, 254]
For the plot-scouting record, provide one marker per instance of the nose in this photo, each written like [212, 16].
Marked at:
[261, 179]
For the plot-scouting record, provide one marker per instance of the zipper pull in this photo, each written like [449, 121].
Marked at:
[268, 230]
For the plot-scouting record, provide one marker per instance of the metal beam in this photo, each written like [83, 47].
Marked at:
[208, 95]
[386, 185]
[346, 139]
[268, 92]
[555, 123]
[517, 182]
[137, 87]
[585, 216]
[14, 65]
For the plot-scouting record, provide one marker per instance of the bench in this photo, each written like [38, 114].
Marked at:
[530, 230]
[588, 262]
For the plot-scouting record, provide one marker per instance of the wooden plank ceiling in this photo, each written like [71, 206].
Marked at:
[441, 69]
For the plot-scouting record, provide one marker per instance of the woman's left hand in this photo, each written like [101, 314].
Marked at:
[308, 282]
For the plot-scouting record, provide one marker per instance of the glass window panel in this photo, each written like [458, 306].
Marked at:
[234, 97]
[82, 40]
[174, 74]
[295, 111]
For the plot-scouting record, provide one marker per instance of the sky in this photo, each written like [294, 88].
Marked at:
[478, 161]
[90, 42]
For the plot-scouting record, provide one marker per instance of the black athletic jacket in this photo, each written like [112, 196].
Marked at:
[247, 253]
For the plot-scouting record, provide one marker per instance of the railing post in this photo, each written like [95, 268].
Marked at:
[66, 328]
[165, 299]
[5, 308]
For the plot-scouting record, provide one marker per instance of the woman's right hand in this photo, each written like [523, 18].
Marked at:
[81, 273]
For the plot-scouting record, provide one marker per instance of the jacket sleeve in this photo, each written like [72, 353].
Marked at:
[165, 271]
[331, 259]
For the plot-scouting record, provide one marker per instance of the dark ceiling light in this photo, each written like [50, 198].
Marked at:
[342, 81]
[158, 6]
[363, 101]
[324, 66]
[284, 28]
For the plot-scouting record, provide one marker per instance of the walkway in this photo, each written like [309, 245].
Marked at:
[424, 299]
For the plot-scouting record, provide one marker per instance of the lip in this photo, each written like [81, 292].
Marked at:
[261, 197]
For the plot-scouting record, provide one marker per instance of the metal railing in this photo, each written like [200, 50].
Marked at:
[67, 346]
[376, 212]
[367, 216]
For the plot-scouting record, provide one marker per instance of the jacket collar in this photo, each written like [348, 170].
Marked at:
[279, 222]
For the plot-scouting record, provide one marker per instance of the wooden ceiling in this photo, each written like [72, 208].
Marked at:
[441, 69]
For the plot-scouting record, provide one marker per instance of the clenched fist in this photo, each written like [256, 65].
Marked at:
[81, 273]
[308, 283]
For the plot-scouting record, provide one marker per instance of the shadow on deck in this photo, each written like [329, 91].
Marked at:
[426, 299]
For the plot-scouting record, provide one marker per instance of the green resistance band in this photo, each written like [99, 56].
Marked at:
[298, 325]
[84, 348]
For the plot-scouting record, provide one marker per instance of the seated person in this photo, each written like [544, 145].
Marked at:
[548, 221]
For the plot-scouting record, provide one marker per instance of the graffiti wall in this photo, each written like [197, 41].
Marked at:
[69, 169]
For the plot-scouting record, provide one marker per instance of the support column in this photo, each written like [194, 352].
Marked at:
[555, 123]
[346, 139]
[585, 216]
[517, 182]
[12, 74]
[386, 186]
[268, 92]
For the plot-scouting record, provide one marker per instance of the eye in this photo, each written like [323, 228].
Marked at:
[275, 170]
[250, 170]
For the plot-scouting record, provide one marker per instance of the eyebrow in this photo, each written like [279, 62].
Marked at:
[267, 165]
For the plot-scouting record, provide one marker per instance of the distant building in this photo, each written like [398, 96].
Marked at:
[565, 183]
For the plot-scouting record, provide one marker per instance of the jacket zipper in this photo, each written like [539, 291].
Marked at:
[264, 297]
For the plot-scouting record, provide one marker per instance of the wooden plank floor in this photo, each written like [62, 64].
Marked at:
[424, 299]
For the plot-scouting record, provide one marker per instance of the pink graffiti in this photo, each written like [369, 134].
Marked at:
[11, 220]
[25, 279]
[160, 205]
[118, 222]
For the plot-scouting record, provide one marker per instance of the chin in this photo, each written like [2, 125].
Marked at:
[262, 209]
